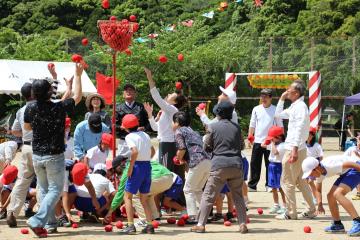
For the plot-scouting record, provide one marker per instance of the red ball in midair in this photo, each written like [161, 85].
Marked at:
[163, 59]
[178, 85]
[84, 41]
[76, 58]
[132, 18]
[105, 4]
[180, 57]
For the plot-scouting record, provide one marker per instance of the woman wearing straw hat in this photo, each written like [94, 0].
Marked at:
[95, 103]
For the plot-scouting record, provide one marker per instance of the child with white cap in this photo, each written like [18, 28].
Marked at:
[349, 170]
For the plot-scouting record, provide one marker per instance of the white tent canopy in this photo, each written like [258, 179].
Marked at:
[14, 73]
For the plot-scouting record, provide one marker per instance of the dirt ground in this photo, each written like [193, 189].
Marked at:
[260, 227]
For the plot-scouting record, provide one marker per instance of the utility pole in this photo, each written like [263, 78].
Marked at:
[270, 54]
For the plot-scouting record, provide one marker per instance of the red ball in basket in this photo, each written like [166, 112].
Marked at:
[113, 18]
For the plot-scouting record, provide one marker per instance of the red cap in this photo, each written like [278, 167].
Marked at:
[130, 121]
[9, 174]
[79, 172]
[313, 130]
[67, 122]
[107, 139]
[274, 131]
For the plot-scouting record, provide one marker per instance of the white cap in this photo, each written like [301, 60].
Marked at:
[230, 93]
[308, 165]
[100, 166]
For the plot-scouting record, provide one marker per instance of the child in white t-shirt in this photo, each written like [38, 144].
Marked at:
[99, 153]
[349, 170]
[275, 143]
[315, 150]
[355, 152]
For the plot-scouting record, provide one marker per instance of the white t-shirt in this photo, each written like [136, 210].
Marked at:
[101, 185]
[141, 141]
[334, 165]
[315, 151]
[8, 150]
[280, 148]
[353, 152]
[96, 156]
[262, 119]
[69, 150]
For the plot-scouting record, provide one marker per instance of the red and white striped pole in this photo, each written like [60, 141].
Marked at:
[315, 100]
[230, 80]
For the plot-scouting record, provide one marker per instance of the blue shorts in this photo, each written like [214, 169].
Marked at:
[72, 189]
[140, 180]
[245, 168]
[351, 178]
[174, 192]
[84, 204]
[274, 174]
[225, 189]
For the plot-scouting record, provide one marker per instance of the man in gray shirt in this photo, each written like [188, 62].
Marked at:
[225, 142]
[27, 173]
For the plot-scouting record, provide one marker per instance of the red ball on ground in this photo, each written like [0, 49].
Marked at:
[202, 106]
[113, 18]
[180, 222]
[75, 225]
[180, 57]
[155, 224]
[227, 223]
[178, 85]
[260, 211]
[108, 228]
[85, 42]
[119, 224]
[105, 4]
[132, 18]
[185, 217]
[51, 65]
[24, 231]
[163, 59]
[307, 229]
[171, 220]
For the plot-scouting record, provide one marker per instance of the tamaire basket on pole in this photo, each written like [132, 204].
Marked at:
[117, 34]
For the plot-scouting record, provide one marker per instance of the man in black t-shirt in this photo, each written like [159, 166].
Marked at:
[130, 106]
[47, 121]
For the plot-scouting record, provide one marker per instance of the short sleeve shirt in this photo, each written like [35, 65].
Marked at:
[101, 185]
[315, 151]
[334, 165]
[47, 120]
[141, 141]
[191, 141]
[278, 157]
[96, 156]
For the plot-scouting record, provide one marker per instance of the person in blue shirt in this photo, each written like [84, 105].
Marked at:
[88, 134]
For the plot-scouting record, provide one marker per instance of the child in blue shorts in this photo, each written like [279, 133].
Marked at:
[275, 143]
[349, 170]
[174, 193]
[139, 172]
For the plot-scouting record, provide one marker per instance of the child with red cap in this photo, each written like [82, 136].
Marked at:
[139, 172]
[99, 153]
[7, 182]
[275, 143]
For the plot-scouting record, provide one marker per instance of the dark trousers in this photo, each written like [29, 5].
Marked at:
[167, 151]
[256, 163]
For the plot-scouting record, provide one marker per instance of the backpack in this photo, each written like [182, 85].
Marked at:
[337, 125]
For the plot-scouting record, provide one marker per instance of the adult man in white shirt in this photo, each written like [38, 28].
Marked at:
[262, 119]
[295, 144]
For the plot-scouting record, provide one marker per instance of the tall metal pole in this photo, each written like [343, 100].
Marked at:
[114, 105]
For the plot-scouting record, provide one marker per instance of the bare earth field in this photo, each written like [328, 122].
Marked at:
[260, 227]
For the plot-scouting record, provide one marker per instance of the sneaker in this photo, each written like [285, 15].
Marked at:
[140, 224]
[148, 229]
[281, 210]
[130, 229]
[229, 216]
[355, 229]
[29, 213]
[3, 214]
[274, 209]
[335, 228]
[307, 215]
[283, 216]
[243, 229]
[217, 217]
[63, 221]
[51, 230]
[11, 220]
[356, 197]
[252, 189]
[269, 189]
